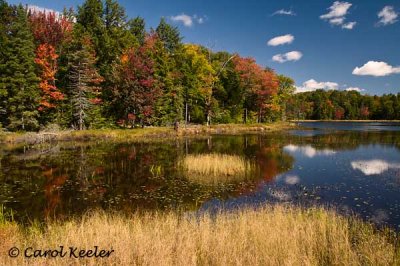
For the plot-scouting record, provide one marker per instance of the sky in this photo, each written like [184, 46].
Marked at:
[344, 45]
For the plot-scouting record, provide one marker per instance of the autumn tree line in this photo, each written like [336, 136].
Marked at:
[94, 68]
[343, 105]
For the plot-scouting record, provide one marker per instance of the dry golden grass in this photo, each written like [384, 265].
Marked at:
[215, 168]
[268, 236]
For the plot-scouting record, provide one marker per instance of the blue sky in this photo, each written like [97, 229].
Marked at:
[335, 45]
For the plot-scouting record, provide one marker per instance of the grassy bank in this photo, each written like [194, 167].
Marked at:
[137, 133]
[269, 236]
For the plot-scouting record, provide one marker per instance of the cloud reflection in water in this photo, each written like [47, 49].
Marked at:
[374, 167]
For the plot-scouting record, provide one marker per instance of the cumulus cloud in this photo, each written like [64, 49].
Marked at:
[374, 167]
[376, 69]
[312, 85]
[337, 15]
[187, 20]
[284, 12]
[279, 40]
[290, 56]
[308, 150]
[387, 16]
[354, 89]
[338, 9]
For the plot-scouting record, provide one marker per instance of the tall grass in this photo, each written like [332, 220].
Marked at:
[269, 236]
[215, 168]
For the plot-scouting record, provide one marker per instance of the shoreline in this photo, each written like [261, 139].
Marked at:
[140, 133]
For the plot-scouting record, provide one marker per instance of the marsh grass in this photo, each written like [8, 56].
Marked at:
[268, 236]
[216, 168]
[138, 133]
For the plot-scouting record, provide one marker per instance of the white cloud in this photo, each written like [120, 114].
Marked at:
[337, 15]
[284, 12]
[312, 85]
[387, 16]
[338, 9]
[34, 8]
[349, 25]
[279, 40]
[290, 56]
[337, 21]
[354, 89]
[187, 20]
[376, 69]
[374, 167]
[308, 150]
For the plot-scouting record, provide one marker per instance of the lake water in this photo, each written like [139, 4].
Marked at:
[352, 170]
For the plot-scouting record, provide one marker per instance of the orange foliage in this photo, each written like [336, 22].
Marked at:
[46, 59]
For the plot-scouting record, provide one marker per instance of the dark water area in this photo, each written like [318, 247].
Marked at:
[352, 171]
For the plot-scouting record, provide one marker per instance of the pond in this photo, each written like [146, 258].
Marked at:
[353, 171]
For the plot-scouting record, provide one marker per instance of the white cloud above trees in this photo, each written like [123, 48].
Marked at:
[376, 69]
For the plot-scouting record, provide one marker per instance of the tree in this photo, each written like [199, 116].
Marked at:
[197, 79]
[18, 74]
[258, 85]
[6, 19]
[46, 59]
[137, 27]
[84, 80]
[285, 91]
[135, 89]
[169, 35]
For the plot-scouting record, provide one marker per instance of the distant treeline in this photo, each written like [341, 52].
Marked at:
[94, 68]
[343, 105]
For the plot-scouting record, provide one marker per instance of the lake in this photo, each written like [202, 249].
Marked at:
[352, 168]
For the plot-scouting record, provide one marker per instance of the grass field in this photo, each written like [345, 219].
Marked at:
[267, 236]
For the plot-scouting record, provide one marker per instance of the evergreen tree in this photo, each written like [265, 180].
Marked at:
[18, 74]
[6, 16]
[84, 81]
[137, 27]
[169, 35]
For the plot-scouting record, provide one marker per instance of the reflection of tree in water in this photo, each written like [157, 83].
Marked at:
[76, 176]
[54, 182]
[273, 161]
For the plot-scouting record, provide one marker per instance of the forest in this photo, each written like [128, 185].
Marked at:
[94, 68]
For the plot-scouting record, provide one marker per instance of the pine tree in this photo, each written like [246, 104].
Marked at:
[84, 80]
[6, 16]
[169, 35]
[18, 74]
[137, 27]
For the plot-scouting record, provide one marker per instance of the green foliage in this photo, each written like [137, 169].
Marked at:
[18, 80]
[111, 72]
[340, 105]
[83, 80]
[169, 35]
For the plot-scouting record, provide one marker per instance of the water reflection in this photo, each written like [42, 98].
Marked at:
[374, 167]
[337, 169]
[308, 150]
